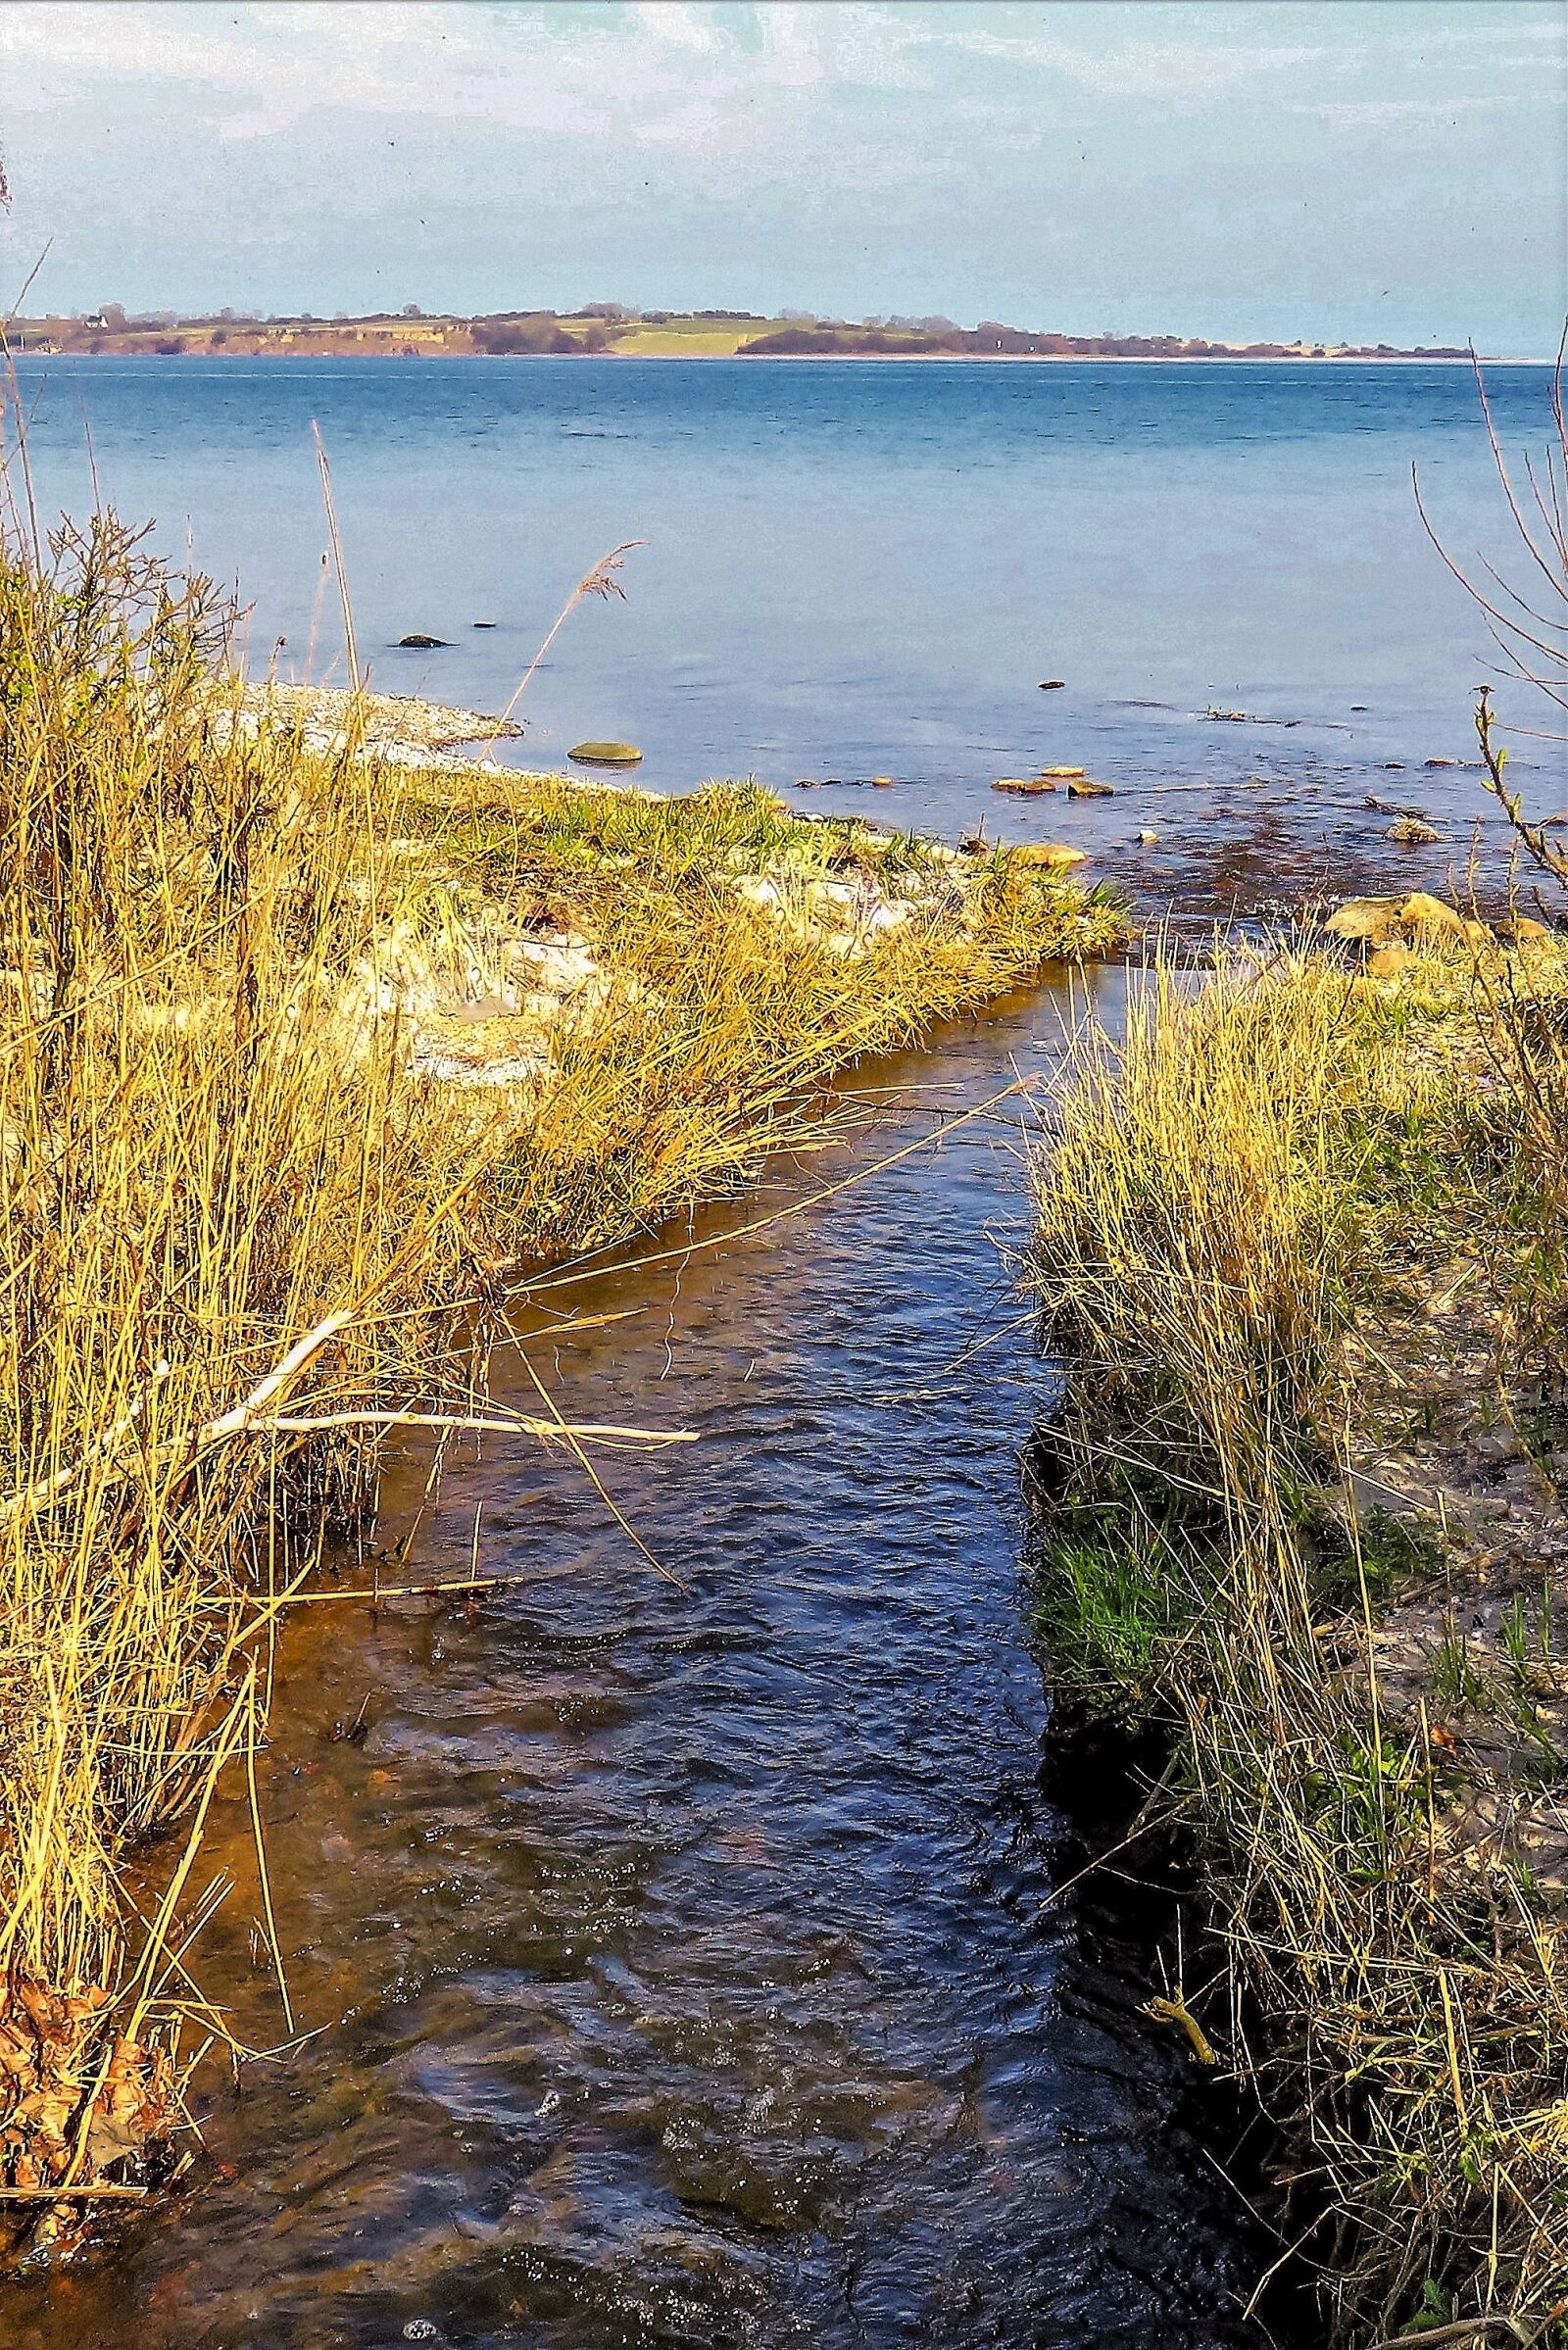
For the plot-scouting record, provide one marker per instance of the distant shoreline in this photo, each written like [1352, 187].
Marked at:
[906, 359]
[615, 330]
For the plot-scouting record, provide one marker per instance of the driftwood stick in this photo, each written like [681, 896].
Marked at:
[45, 1488]
[213, 1432]
[458, 1423]
[58, 2194]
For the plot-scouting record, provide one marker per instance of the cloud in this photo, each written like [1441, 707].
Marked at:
[1385, 113]
[1135, 68]
[260, 68]
[747, 91]
[675, 21]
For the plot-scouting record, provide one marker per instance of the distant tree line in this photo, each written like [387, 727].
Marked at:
[599, 327]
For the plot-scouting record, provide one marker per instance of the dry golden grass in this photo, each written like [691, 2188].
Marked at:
[237, 1224]
[1227, 1185]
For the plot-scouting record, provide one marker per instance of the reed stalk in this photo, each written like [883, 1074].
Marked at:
[1234, 1191]
[244, 1232]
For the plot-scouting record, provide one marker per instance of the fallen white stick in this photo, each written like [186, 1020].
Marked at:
[549, 1431]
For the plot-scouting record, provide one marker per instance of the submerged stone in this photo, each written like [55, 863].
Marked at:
[416, 641]
[605, 754]
[1055, 855]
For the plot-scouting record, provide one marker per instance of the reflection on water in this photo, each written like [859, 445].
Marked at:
[681, 1958]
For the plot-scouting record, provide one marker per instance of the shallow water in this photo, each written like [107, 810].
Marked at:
[684, 1960]
[854, 571]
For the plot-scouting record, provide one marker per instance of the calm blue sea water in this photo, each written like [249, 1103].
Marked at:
[855, 569]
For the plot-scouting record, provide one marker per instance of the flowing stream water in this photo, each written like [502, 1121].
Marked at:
[683, 1961]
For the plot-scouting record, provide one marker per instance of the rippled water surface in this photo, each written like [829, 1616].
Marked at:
[682, 1960]
[861, 569]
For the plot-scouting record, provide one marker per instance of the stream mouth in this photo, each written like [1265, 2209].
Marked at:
[683, 1961]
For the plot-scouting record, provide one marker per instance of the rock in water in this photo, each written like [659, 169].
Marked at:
[417, 642]
[1052, 685]
[1083, 789]
[1055, 855]
[1064, 774]
[1026, 784]
[605, 754]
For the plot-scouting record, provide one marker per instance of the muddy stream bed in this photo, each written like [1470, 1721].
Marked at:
[682, 1963]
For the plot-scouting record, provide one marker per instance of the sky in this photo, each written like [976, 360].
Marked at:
[1381, 171]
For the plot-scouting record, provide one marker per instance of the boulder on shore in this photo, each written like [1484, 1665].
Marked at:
[1523, 930]
[1387, 928]
[1421, 911]
[1371, 921]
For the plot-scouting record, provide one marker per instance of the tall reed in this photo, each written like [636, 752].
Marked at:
[1251, 1166]
[240, 1227]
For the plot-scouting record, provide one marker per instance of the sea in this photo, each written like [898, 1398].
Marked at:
[837, 570]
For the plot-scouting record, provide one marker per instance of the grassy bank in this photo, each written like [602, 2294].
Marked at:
[307, 1057]
[1300, 1247]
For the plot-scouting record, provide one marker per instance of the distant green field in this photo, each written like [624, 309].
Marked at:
[700, 339]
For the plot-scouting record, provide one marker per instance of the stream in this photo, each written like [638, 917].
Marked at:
[682, 1961]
